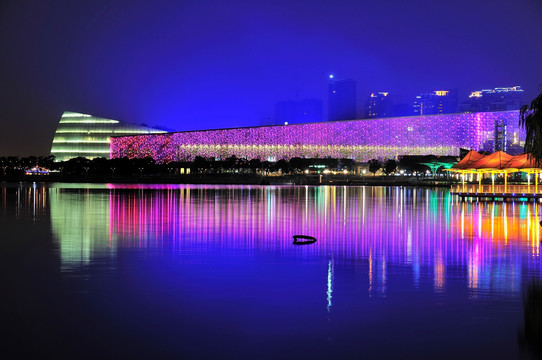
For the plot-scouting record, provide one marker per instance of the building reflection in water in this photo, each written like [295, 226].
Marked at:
[81, 224]
[489, 244]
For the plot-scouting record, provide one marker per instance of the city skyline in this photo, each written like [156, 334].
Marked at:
[214, 65]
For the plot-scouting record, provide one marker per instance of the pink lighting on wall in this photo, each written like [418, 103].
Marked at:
[361, 140]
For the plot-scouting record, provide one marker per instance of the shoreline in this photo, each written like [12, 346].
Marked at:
[240, 179]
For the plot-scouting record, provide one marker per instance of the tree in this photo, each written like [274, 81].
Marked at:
[255, 164]
[346, 164]
[266, 165]
[230, 163]
[299, 164]
[201, 164]
[374, 166]
[283, 166]
[530, 117]
[390, 166]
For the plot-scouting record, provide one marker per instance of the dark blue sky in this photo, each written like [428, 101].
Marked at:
[208, 64]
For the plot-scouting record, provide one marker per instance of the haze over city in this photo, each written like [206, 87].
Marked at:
[211, 64]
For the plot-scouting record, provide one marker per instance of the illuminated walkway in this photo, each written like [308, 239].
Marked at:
[498, 163]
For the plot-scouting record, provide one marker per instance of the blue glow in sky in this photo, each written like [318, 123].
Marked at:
[211, 64]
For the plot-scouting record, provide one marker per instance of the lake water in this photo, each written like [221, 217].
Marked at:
[210, 272]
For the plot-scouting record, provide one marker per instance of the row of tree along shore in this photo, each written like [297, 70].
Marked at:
[406, 170]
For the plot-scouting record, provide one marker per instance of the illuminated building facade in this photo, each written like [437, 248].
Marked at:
[89, 136]
[360, 140]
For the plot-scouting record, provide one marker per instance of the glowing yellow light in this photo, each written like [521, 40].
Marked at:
[89, 121]
[73, 114]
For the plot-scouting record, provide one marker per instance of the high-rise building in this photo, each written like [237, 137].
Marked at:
[342, 99]
[435, 102]
[498, 99]
[298, 112]
[379, 105]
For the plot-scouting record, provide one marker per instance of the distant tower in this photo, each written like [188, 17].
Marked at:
[342, 99]
[379, 105]
[498, 99]
[436, 102]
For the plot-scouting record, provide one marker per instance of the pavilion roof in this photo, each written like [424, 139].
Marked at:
[469, 159]
[495, 161]
[522, 162]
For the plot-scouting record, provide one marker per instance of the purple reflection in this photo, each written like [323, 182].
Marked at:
[175, 269]
[494, 243]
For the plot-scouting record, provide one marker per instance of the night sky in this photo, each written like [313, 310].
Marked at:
[189, 65]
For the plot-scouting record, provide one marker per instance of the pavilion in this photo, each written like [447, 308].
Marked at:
[494, 164]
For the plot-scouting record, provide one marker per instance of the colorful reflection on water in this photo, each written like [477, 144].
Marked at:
[406, 244]
[494, 242]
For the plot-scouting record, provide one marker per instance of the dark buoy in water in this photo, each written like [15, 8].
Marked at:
[304, 240]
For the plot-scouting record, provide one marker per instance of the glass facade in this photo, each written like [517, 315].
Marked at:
[361, 140]
[89, 136]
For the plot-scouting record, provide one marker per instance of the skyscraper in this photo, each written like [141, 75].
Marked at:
[379, 105]
[342, 99]
[435, 102]
[498, 99]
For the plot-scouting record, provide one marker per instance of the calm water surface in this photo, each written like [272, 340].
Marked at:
[211, 272]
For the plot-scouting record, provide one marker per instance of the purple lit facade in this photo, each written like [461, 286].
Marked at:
[361, 140]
